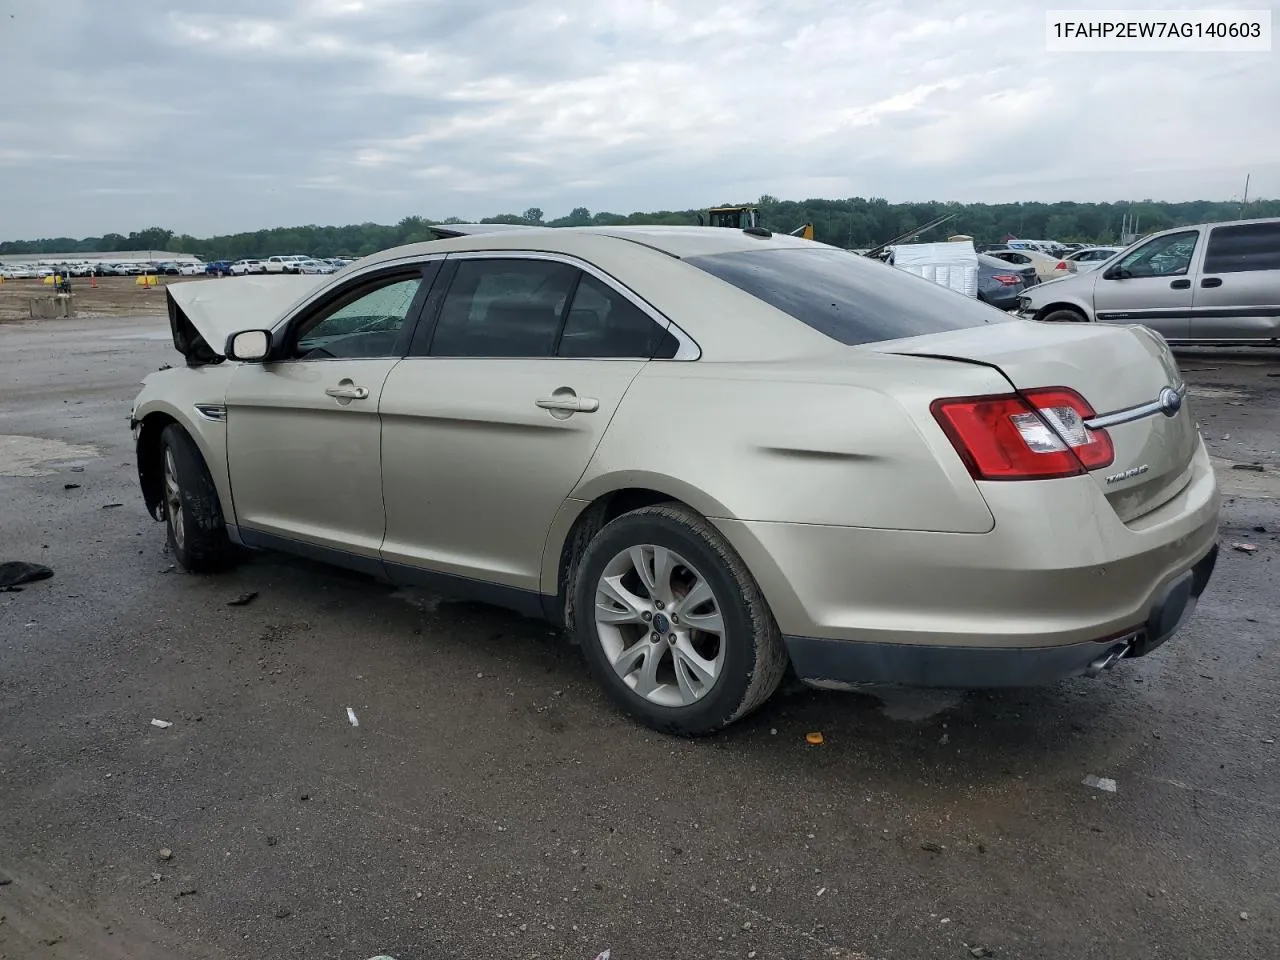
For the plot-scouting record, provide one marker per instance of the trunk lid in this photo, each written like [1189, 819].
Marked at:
[1115, 369]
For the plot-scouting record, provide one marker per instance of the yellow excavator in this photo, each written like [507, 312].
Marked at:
[743, 218]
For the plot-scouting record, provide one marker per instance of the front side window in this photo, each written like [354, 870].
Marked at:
[1166, 256]
[1249, 246]
[365, 323]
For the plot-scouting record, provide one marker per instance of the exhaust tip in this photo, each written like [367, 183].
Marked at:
[1107, 660]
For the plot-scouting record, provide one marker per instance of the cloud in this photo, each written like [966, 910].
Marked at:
[311, 111]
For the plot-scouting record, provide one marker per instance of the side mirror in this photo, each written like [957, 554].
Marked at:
[249, 346]
[1116, 272]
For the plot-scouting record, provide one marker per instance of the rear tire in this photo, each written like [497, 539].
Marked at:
[665, 572]
[196, 529]
[1065, 315]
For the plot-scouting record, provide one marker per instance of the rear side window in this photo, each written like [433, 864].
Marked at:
[1250, 246]
[503, 308]
[848, 297]
[602, 323]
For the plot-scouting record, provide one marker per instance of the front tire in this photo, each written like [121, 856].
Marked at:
[197, 532]
[1064, 315]
[672, 623]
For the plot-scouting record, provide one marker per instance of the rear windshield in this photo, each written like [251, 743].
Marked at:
[846, 296]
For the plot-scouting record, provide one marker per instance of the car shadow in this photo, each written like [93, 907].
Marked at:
[906, 738]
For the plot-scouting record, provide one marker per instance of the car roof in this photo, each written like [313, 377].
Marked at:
[680, 242]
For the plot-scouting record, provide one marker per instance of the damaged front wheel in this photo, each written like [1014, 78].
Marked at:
[193, 515]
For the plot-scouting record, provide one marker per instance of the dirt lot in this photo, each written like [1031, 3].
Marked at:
[100, 297]
[490, 804]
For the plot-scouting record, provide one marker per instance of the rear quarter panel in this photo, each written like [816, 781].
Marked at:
[847, 441]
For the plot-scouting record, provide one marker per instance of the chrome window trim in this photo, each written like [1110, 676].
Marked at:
[1138, 412]
[687, 348]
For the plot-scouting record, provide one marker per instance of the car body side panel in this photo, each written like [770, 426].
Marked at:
[304, 465]
[1243, 305]
[175, 393]
[475, 471]
[827, 441]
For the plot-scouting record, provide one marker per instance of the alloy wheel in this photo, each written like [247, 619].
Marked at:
[660, 625]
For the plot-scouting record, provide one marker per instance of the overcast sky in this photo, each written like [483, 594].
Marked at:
[234, 115]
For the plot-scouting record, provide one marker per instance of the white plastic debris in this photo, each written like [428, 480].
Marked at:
[604, 956]
[1100, 783]
[162, 724]
[821, 891]
[351, 716]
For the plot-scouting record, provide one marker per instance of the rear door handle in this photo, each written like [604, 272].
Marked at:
[568, 402]
[348, 391]
[1180, 284]
[1211, 282]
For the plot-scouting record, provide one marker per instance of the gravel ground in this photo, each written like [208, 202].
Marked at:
[491, 804]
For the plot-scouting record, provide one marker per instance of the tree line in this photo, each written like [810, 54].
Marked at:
[853, 223]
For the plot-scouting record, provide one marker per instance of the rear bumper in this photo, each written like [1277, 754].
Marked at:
[838, 663]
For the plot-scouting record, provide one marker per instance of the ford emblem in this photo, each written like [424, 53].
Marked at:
[1170, 401]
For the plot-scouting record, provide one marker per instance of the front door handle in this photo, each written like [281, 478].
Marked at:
[1180, 284]
[346, 390]
[1211, 282]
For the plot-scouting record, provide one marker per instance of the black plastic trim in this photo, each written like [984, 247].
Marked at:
[528, 602]
[259, 540]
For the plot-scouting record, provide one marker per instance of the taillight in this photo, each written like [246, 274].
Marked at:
[1062, 265]
[1005, 279]
[1035, 435]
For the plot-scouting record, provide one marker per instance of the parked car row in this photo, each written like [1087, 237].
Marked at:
[292, 264]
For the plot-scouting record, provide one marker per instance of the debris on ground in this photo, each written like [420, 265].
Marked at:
[16, 572]
[1245, 547]
[351, 717]
[162, 724]
[111, 506]
[814, 739]
[1100, 783]
[1256, 467]
[244, 599]
[283, 913]
[1243, 915]
[165, 853]
[932, 847]
[604, 956]
[186, 892]
[980, 952]
[5, 879]
[156, 877]
[71, 486]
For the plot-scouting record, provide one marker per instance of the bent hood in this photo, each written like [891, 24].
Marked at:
[204, 313]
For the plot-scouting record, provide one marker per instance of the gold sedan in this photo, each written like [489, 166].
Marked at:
[710, 455]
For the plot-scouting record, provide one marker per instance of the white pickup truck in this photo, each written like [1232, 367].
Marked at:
[289, 264]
